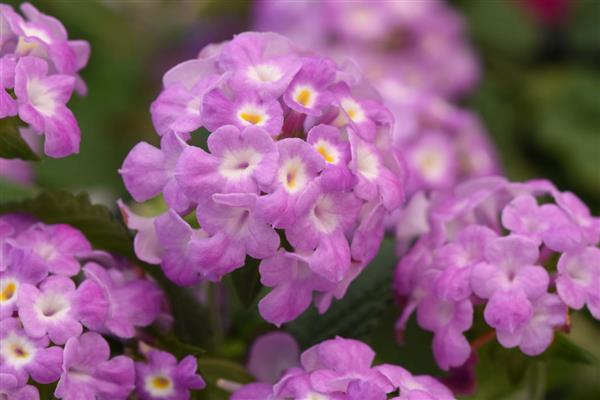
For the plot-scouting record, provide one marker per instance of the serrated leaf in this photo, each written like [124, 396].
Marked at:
[12, 145]
[246, 281]
[359, 311]
[96, 222]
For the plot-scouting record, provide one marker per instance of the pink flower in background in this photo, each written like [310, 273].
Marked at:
[484, 244]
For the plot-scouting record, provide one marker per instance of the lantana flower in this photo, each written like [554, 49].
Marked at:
[342, 368]
[40, 68]
[162, 377]
[299, 159]
[490, 243]
[52, 318]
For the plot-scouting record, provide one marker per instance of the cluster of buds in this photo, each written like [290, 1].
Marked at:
[299, 172]
[336, 369]
[40, 68]
[524, 252]
[59, 302]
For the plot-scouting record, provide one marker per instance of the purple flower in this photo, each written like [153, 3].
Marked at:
[448, 320]
[534, 337]
[262, 62]
[20, 269]
[42, 104]
[342, 369]
[308, 93]
[410, 387]
[294, 283]
[163, 378]
[148, 171]
[510, 280]
[239, 161]
[176, 238]
[300, 152]
[130, 303]
[271, 355]
[236, 231]
[322, 228]
[145, 244]
[56, 246]
[299, 164]
[52, 309]
[10, 388]
[523, 216]
[244, 110]
[362, 115]
[22, 356]
[433, 160]
[578, 280]
[178, 108]
[457, 260]
[376, 178]
[88, 373]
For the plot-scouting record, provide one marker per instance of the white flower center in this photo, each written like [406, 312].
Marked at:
[316, 396]
[264, 73]
[52, 306]
[292, 174]
[238, 164]
[16, 350]
[159, 385]
[251, 114]
[41, 98]
[431, 163]
[367, 163]
[323, 215]
[353, 109]
[32, 31]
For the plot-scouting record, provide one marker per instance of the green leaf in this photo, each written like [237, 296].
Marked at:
[12, 144]
[246, 281]
[216, 369]
[96, 222]
[565, 349]
[12, 191]
[361, 308]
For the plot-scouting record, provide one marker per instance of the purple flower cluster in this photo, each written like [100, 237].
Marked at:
[416, 55]
[342, 369]
[299, 172]
[524, 252]
[39, 68]
[422, 44]
[56, 302]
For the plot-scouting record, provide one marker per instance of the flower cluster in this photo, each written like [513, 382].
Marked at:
[525, 252]
[58, 299]
[39, 72]
[342, 369]
[417, 44]
[415, 54]
[299, 172]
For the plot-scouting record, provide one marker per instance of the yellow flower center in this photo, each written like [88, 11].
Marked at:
[19, 352]
[8, 292]
[323, 151]
[160, 382]
[252, 118]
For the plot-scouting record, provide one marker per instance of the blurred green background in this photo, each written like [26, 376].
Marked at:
[539, 97]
